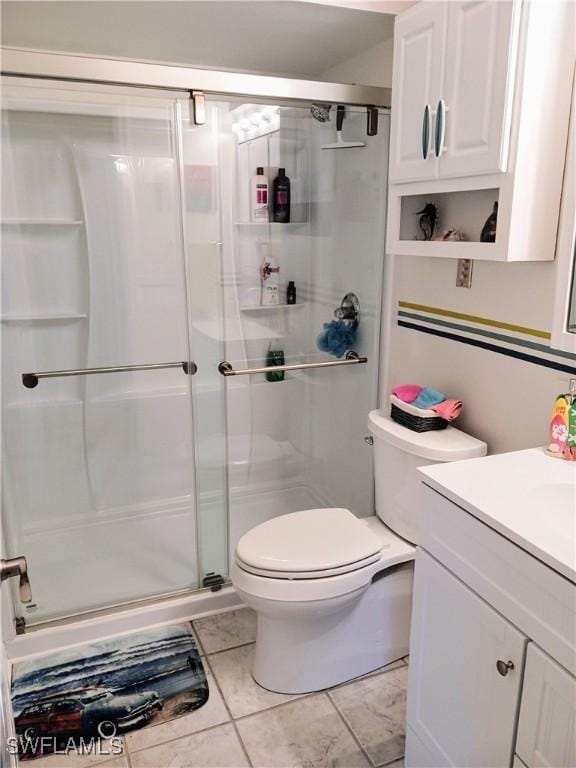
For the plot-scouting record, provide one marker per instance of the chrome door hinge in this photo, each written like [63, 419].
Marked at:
[199, 105]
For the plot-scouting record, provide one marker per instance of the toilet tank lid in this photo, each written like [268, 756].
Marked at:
[448, 444]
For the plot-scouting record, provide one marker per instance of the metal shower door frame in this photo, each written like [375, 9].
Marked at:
[23, 62]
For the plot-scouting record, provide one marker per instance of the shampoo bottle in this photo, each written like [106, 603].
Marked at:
[259, 196]
[281, 197]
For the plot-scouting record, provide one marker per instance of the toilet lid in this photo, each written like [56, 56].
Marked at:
[302, 544]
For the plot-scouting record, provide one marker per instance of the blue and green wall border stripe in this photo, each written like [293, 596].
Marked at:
[484, 333]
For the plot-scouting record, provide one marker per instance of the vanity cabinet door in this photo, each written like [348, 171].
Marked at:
[547, 730]
[472, 122]
[461, 707]
[419, 44]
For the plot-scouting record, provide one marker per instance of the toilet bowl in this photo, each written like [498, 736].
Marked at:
[332, 592]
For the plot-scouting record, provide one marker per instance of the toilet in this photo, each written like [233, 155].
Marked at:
[333, 592]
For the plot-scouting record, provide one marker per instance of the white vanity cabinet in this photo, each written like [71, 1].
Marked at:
[492, 681]
[547, 727]
[451, 97]
[457, 695]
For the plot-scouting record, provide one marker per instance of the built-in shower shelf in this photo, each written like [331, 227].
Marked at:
[271, 308]
[42, 222]
[270, 223]
[42, 318]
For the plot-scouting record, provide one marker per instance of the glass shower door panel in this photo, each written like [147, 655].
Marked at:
[98, 471]
[296, 441]
[205, 215]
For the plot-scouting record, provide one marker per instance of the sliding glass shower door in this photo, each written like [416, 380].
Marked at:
[295, 439]
[98, 470]
[130, 243]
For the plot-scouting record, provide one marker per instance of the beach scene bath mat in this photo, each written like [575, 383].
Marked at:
[99, 691]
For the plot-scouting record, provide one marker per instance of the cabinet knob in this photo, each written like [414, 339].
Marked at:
[503, 667]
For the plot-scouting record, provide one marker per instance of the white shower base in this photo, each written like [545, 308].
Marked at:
[109, 560]
[117, 556]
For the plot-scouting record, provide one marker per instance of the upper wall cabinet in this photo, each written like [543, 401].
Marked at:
[452, 72]
[419, 45]
[474, 110]
[480, 109]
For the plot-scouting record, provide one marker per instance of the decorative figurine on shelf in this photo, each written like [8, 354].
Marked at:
[488, 234]
[428, 220]
[454, 234]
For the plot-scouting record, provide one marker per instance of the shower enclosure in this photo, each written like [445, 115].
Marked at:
[139, 442]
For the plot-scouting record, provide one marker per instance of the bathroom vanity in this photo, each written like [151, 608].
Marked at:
[493, 644]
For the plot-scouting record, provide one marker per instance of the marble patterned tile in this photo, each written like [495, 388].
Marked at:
[233, 671]
[308, 732]
[226, 630]
[375, 710]
[395, 764]
[217, 747]
[387, 668]
[213, 713]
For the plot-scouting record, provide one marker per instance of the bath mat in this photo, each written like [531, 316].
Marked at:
[88, 696]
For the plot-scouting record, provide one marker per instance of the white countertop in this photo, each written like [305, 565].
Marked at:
[527, 496]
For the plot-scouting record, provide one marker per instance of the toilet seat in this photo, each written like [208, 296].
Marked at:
[316, 574]
[316, 585]
[310, 544]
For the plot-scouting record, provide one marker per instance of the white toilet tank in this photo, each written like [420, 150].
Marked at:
[398, 452]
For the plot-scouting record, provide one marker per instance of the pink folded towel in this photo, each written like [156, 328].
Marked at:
[407, 392]
[448, 410]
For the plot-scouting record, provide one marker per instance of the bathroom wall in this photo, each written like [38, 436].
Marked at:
[507, 400]
[370, 67]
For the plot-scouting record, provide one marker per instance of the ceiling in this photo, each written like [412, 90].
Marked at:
[301, 39]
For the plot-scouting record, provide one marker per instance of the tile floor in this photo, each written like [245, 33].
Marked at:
[355, 725]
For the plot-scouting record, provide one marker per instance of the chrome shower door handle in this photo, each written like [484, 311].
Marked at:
[351, 358]
[30, 380]
[17, 566]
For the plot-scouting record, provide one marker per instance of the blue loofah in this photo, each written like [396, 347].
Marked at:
[336, 338]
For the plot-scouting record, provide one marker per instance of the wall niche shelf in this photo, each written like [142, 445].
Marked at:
[464, 210]
[465, 205]
[270, 223]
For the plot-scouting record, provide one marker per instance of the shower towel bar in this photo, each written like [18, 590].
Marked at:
[30, 380]
[352, 358]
